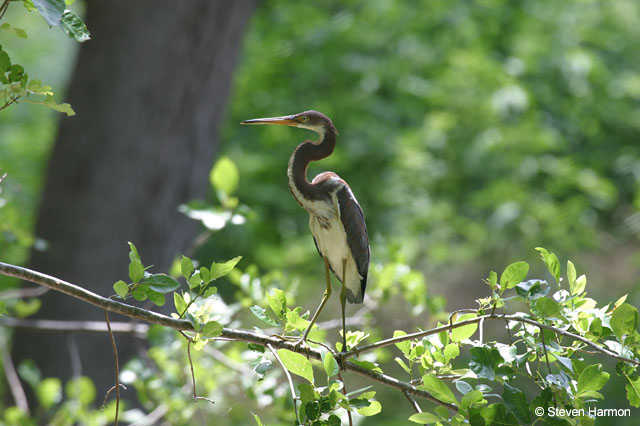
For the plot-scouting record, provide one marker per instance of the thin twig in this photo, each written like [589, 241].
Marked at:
[344, 388]
[17, 391]
[246, 336]
[503, 317]
[546, 357]
[291, 387]
[21, 292]
[115, 356]
[138, 330]
[3, 8]
[193, 376]
[413, 402]
[227, 333]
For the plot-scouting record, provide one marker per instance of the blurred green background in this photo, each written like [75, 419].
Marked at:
[470, 132]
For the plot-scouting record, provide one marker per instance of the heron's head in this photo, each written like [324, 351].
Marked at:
[312, 120]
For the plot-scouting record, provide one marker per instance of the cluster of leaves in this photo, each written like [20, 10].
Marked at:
[319, 404]
[154, 287]
[17, 85]
[553, 358]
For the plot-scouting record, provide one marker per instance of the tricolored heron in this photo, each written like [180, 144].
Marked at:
[336, 219]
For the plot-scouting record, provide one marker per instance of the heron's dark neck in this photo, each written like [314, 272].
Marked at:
[305, 153]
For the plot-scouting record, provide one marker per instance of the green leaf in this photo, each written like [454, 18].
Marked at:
[179, 303]
[121, 288]
[51, 10]
[156, 297]
[278, 303]
[186, 267]
[296, 363]
[581, 283]
[195, 280]
[532, 289]
[81, 389]
[513, 274]
[74, 27]
[404, 346]
[451, 351]
[475, 397]
[18, 32]
[402, 364]
[492, 281]
[161, 283]
[624, 320]
[306, 393]
[50, 103]
[49, 392]
[463, 387]
[205, 275]
[547, 307]
[295, 322]
[5, 62]
[516, 402]
[425, 418]
[311, 410]
[261, 314]
[256, 347]
[633, 392]
[224, 176]
[484, 361]
[371, 410]
[438, 389]
[367, 364]
[571, 276]
[212, 329]
[551, 262]
[16, 72]
[461, 333]
[221, 269]
[136, 271]
[257, 419]
[140, 292]
[592, 378]
[133, 253]
[330, 365]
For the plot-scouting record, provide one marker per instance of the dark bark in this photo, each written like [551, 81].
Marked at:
[149, 90]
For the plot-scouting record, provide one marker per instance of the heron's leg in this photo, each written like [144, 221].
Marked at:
[343, 301]
[327, 294]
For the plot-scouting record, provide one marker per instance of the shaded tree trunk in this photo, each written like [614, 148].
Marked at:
[150, 90]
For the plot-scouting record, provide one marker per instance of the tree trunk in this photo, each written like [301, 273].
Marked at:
[149, 90]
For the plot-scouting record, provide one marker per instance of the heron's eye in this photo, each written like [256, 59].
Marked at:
[304, 119]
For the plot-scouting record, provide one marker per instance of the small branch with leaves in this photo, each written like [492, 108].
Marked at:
[546, 344]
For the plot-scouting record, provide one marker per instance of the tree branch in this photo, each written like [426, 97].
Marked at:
[504, 317]
[178, 324]
[138, 330]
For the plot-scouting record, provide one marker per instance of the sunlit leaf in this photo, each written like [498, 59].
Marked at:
[224, 175]
[296, 363]
[624, 320]
[221, 269]
[121, 288]
[551, 262]
[513, 274]
[330, 365]
[438, 389]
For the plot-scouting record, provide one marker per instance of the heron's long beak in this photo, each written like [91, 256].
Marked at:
[286, 120]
